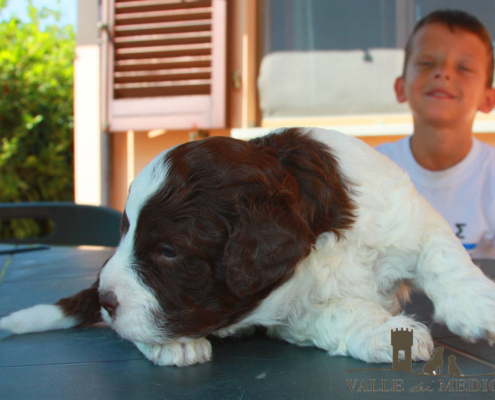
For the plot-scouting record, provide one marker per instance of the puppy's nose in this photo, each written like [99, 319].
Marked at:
[109, 302]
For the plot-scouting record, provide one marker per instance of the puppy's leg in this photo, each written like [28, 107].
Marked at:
[236, 332]
[82, 309]
[176, 353]
[355, 327]
[464, 298]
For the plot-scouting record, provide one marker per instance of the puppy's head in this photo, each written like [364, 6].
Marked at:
[209, 230]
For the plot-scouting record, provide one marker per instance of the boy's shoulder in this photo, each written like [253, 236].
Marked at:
[480, 162]
[401, 148]
[394, 150]
[487, 151]
[395, 143]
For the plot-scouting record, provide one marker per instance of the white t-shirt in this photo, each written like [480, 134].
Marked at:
[464, 194]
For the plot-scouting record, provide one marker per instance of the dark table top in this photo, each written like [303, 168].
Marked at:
[94, 363]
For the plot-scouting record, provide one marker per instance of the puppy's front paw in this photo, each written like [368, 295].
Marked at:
[375, 344]
[422, 348]
[175, 353]
[43, 317]
[470, 310]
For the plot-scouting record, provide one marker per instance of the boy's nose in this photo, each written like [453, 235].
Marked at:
[443, 71]
[442, 74]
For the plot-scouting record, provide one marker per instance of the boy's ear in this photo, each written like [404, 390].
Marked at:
[400, 92]
[488, 101]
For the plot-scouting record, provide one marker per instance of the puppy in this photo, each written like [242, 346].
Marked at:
[309, 233]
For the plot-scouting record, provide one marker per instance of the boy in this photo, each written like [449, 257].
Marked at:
[447, 78]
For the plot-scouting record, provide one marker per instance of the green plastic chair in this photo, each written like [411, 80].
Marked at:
[73, 224]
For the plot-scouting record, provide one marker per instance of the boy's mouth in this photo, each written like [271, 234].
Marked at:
[440, 94]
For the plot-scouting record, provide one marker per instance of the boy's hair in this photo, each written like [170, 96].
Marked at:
[455, 19]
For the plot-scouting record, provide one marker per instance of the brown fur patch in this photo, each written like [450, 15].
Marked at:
[232, 221]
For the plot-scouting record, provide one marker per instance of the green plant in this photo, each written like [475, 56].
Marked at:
[36, 109]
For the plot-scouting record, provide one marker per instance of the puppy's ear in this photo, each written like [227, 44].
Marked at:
[265, 246]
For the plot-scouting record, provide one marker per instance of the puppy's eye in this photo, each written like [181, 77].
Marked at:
[168, 252]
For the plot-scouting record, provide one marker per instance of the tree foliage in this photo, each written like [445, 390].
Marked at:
[36, 107]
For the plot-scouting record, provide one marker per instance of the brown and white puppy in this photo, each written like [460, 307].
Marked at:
[311, 234]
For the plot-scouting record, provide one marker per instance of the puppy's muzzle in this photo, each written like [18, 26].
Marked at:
[108, 300]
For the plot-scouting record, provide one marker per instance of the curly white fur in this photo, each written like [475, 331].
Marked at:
[345, 296]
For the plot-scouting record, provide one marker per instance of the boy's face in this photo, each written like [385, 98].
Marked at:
[445, 79]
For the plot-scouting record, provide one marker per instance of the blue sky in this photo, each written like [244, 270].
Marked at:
[67, 7]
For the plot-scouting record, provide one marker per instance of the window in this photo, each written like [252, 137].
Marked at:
[330, 58]
[164, 64]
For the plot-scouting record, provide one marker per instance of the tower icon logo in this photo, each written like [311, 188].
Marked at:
[402, 341]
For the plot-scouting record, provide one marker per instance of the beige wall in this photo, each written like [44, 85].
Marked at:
[87, 18]
[90, 144]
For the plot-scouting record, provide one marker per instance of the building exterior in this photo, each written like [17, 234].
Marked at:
[151, 74]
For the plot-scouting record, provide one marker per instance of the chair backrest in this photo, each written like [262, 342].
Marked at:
[74, 224]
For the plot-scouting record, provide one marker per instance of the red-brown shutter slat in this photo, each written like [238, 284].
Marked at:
[155, 32]
[164, 49]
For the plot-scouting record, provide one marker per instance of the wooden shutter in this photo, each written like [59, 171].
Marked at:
[164, 64]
